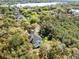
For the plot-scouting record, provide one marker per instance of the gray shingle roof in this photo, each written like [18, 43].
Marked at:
[35, 39]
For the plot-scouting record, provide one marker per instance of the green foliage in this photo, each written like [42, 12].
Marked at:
[31, 16]
[59, 30]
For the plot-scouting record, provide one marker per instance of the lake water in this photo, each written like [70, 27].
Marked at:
[37, 4]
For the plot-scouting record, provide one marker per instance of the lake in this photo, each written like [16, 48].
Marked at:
[37, 4]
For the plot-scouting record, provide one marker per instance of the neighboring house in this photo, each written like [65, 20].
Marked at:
[19, 16]
[74, 11]
[35, 39]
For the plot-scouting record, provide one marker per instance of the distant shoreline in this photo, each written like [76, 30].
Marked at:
[34, 4]
[37, 4]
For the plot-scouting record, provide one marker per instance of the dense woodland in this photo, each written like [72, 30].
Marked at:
[59, 30]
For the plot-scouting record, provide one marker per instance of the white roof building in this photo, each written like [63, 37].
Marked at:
[75, 11]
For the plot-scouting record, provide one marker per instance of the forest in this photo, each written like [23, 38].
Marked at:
[56, 25]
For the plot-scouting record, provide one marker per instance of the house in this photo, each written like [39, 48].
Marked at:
[74, 11]
[35, 39]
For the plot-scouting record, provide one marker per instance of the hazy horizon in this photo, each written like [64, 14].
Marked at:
[33, 1]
